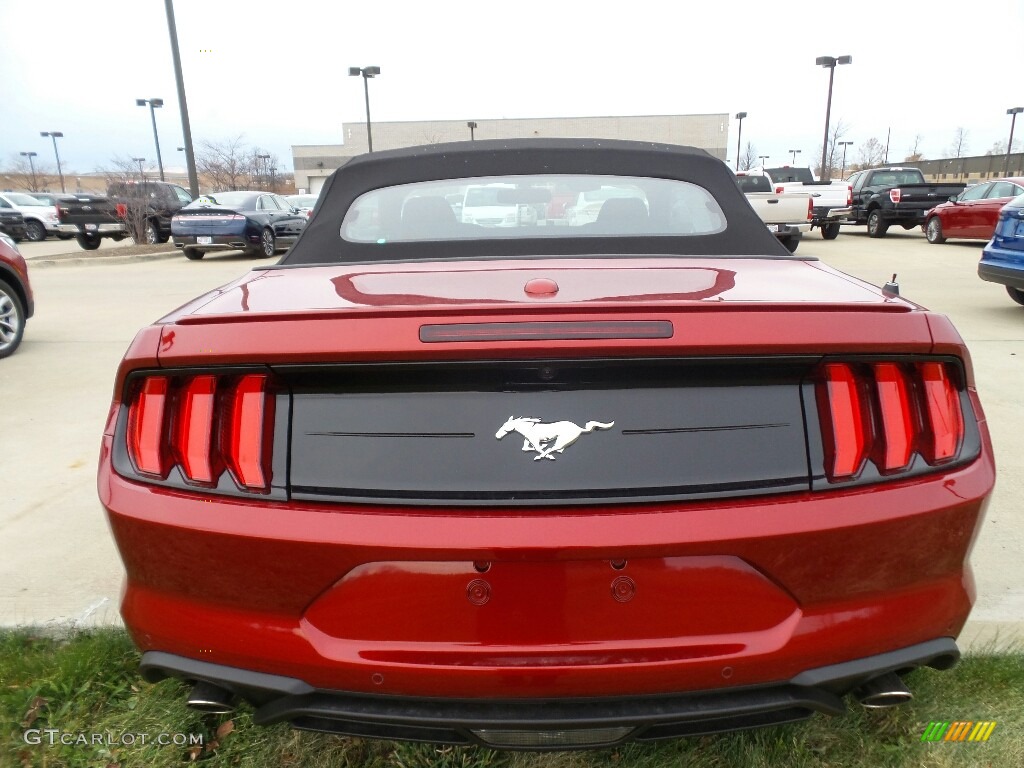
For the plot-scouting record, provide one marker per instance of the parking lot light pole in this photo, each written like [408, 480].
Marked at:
[795, 152]
[58, 135]
[762, 158]
[154, 104]
[367, 73]
[844, 145]
[739, 137]
[1009, 145]
[140, 161]
[472, 130]
[32, 166]
[829, 62]
[262, 172]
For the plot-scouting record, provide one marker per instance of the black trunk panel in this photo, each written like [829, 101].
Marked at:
[665, 429]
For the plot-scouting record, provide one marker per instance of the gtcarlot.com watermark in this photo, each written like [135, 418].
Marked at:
[54, 736]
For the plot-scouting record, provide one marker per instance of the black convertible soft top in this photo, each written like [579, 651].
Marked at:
[321, 243]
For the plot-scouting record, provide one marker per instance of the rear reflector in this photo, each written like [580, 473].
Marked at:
[203, 424]
[146, 444]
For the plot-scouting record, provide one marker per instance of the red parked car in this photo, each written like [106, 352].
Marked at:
[973, 213]
[16, 302]
[544, 487]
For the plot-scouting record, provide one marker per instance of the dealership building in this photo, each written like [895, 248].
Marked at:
[315, 162]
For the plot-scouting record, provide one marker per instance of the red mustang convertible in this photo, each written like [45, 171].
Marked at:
[540, 481]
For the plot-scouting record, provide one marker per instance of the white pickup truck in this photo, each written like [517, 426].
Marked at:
[787, 215]
[831, 200]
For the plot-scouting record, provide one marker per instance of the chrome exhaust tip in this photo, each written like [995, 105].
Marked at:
[885, 690]
[210, 698]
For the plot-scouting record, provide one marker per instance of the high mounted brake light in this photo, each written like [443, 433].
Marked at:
[203, 425]
[888, 413]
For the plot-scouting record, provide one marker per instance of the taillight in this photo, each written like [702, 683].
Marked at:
[147, 443]
[203, 425]
[249, 433]
[895, 195]
[849, 194]
[810, 209]
[842, 422]
[779, 190]
[945, 422]
[62, 212]
[886, 414]
[193, 440]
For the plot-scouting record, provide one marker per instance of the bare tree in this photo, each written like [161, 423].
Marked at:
[131, 198]
[870, 154]
[35, 175]
[959, 145]
[915, 155]
[832, 164]
[749, 157]
[227, 164]
[999, 147]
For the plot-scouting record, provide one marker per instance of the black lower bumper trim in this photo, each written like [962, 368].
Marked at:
[456, 721]
[1002, 275]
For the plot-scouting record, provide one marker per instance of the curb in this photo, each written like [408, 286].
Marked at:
[76, 260]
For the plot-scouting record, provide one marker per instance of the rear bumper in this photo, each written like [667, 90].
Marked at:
[542, 723]
[218, 242]
[826, 215]
[1011, 276]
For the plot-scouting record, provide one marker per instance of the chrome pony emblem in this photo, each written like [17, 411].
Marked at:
[547, 439]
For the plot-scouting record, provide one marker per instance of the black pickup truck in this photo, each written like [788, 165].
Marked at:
[147, 207]
[93, 217]
[885, 196]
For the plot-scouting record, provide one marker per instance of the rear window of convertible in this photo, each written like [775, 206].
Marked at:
[536, 206]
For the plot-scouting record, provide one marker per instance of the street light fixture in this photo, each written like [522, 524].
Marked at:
[140, 161]
[1009, 145]
[31, 165]
[56, 135]
[739, 137]
[795, 153]
[154, 104]
[829, 62]
[266, 162]
[472, 128]
[762, 158]
[844, 145]
[367, 73]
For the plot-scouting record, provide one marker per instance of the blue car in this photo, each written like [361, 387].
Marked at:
[1002, 260]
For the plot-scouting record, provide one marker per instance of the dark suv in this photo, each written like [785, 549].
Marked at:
[147, 207]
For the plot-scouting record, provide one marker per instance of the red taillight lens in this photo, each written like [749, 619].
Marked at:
[895, 195]
[849, 194]
[779, 190]
[945, 420]
[810, 209]
[203, 424]
[842, 422]
[897, 417]
[146, 444]
[249, 433]
[888, 413]
[193, 430]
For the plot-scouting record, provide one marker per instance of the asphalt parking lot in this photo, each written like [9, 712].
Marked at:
[60, 564]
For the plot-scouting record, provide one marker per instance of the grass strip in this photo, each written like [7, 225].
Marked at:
[79, 701]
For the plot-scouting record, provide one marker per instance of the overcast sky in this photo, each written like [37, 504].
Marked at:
[276, 72]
